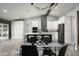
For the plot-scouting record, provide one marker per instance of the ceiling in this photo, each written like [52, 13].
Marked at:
[12, 11]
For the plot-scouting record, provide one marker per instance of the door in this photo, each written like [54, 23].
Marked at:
[61, 33]
[78, 27]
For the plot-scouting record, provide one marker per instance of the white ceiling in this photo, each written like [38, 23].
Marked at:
[26, 10]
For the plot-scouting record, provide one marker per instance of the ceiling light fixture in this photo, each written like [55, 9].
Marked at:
[17, 17]
[56, 7]
[4, 10]
[41, 7]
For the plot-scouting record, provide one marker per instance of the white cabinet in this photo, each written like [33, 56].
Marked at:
[4, 31]
[17, 29]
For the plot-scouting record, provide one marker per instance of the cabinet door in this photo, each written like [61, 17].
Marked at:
[17, 29]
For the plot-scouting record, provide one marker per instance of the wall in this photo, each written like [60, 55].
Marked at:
[75, 27]
[60, 20]
[68, 29]
[36, 22]
[74, 30]
[71, 27]
[73, 14]
[52, 23]
[17, 29]
[52, 27]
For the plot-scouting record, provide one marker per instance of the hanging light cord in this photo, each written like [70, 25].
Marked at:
[48, 7]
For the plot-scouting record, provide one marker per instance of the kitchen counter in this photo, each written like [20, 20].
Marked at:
[54, 36]
[39, 33]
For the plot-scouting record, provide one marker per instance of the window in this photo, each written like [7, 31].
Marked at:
[3, 31]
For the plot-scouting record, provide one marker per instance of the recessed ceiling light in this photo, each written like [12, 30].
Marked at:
[56, 7]
[4, 11]
[17, 17]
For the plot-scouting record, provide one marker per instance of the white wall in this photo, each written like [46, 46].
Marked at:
[52, 27]
[74, 29]
[67, 20]
[60, 20]
[52, 23]
[75, 26]
[71, 26]
[73, 14]
[17, 29]
[68, 29]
